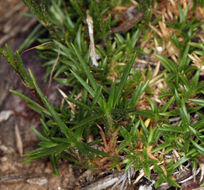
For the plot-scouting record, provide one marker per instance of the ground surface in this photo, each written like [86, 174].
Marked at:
[13, 174]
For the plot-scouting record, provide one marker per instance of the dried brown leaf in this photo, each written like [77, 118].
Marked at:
[19, 143]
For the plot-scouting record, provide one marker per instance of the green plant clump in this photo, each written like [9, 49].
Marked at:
[112, 110]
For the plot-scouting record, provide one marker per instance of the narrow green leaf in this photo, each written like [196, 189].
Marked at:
[167, 63]
[3, 53]
[32, 37]
[78, 39]
[136, 96]
[195, 79]
[123, 80]
[95, 151]
[45, 127]
[119, 38]
[122, 145]
[10, 57]
[43, 152]
[38, 108]
[111, 96]
[47, 144]
[84, 84]
[65, 130]
[60, 140]
[181, 161]
[152, 104]
[198, 125]
[184, 114]
[86, 69]
[161, 146]
[76, 7]
[196, 133]
[54, 164]
[79, 103]
[166, 106]
[134, 39]
[150, 136]
[39, 135]
[199, 147]
[198, 101]
[184, 61]
[22, 72]
[172, 128]
[88, 120]
[98, 96]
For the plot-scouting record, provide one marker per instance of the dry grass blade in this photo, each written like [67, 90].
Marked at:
[72, 106]
[19, 143]
[93, 54]
[53, 68]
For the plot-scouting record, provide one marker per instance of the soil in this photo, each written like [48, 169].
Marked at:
[16, 136]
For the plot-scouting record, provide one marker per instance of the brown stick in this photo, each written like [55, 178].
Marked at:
[129, 24]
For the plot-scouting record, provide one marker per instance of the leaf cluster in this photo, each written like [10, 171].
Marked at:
[103, 103]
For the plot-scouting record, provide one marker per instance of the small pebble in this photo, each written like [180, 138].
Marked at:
[145, 187]
[159, 49]
[37, 181]
[3, 159]
[3, 148]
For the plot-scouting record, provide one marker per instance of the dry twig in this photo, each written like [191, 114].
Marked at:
[19, 143]
[93, 54]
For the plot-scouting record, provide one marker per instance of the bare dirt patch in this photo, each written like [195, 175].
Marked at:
[14, 114]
